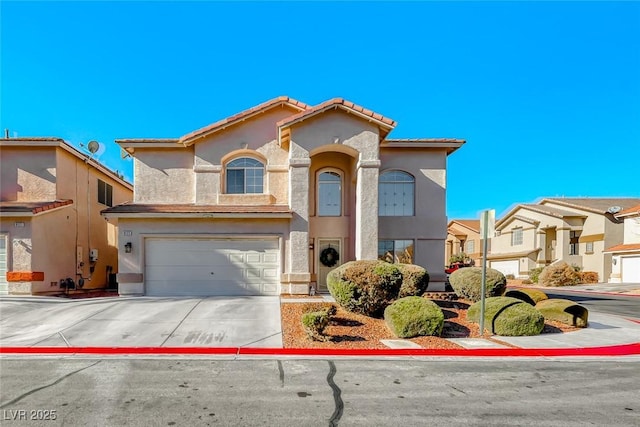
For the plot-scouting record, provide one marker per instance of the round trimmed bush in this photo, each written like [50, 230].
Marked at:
[559, 274]
[414, 316]
[564, 311]
[530, 296]
[466, 283]
[415, 280]
[365, 287]
[508, 317]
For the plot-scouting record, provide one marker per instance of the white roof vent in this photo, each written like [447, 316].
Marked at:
[614, 209]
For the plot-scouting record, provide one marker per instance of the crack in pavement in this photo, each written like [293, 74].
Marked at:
[183, 319]
[30, 392]
[337, 413]
[281, 371]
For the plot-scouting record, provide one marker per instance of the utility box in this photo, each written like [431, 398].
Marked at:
[93, 255]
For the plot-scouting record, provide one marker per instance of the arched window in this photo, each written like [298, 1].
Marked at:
[244, 176]
[396, 191]
[329, 194]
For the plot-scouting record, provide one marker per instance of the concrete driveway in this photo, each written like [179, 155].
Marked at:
[141, 322]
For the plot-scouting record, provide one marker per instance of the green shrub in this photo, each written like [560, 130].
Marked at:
[414, 316]
[466, 283]
[589, 277]
[330, 308]
[530, 296]
[564, 311]
[559, 274]
[415, 280]
[365, 287]
[508, 317]
[314, 323]
[461, 257]
[534, 274]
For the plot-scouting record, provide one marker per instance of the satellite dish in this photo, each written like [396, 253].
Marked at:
[614, 209]
[93, 146]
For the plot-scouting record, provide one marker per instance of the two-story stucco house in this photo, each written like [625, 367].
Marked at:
[575, 230]
[463, 236]
[51, 229]
[625, 258]
[254, 204]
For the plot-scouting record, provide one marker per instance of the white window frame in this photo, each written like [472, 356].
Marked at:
[517, 236]
[395, 199]
[340, 175]
[229, 166]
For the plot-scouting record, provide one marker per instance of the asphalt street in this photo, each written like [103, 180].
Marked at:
[316, 392]
[619, 305]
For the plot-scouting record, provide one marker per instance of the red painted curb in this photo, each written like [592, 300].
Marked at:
[618, 350]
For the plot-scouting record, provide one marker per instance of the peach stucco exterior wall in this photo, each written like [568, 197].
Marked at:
[428, 227]
[27, 173]
[164, 175]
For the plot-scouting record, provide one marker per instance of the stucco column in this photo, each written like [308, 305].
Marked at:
[367, 209]
[542, 244]
[562, 247]
[298, 275]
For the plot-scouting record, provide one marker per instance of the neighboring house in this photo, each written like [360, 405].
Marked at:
[260, 203]
[463, 236]
[51, 229]
[625, 261]
[575, 230]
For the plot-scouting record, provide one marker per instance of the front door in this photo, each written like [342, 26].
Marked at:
[324, 255]
[550, 242]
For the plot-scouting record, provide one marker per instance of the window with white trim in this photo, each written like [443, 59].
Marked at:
[471, 246]
[329, 194]
[589, 247]
[396, 194]
[245, 176]
[574, 245]
[516, 236]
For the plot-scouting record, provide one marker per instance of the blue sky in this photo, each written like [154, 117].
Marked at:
[547, 94]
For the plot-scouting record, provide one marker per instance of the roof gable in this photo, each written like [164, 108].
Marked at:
[598, 205]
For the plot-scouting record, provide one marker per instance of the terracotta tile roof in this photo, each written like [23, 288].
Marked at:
[629, 247]
[594, 204]
[396, 140]
[32, 207]
[197, 209]
[340, 103]
[221, 124]
[473, 224]
[633, 210]
[33, 138]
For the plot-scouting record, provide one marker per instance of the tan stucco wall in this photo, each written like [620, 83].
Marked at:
[27, 173]
[429, 225]
[164, 176]
[632, 230]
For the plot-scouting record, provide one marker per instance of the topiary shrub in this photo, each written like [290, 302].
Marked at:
[530, 296]
[508, 317]
[564, 311]
[466, 283]
[415, 280]
[589, 277]
[314, 323]
[414, 316]
[365, 287]
[559, 274]
[534, 274]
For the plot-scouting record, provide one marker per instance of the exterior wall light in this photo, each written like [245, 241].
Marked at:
[127, 247]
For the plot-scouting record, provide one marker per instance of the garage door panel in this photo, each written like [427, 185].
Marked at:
[211, 267]
[630, 269]
[507, 267]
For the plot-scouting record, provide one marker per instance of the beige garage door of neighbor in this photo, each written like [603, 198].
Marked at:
[211, 267]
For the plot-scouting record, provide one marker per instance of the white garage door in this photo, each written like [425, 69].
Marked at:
[630, 269]
[507, 267]
[4, 290]
[207, 267]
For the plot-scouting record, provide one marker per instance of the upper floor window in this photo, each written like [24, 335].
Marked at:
[396, 194]
[329, 194]
[105, 193]
[516, 236]
[245, 176]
